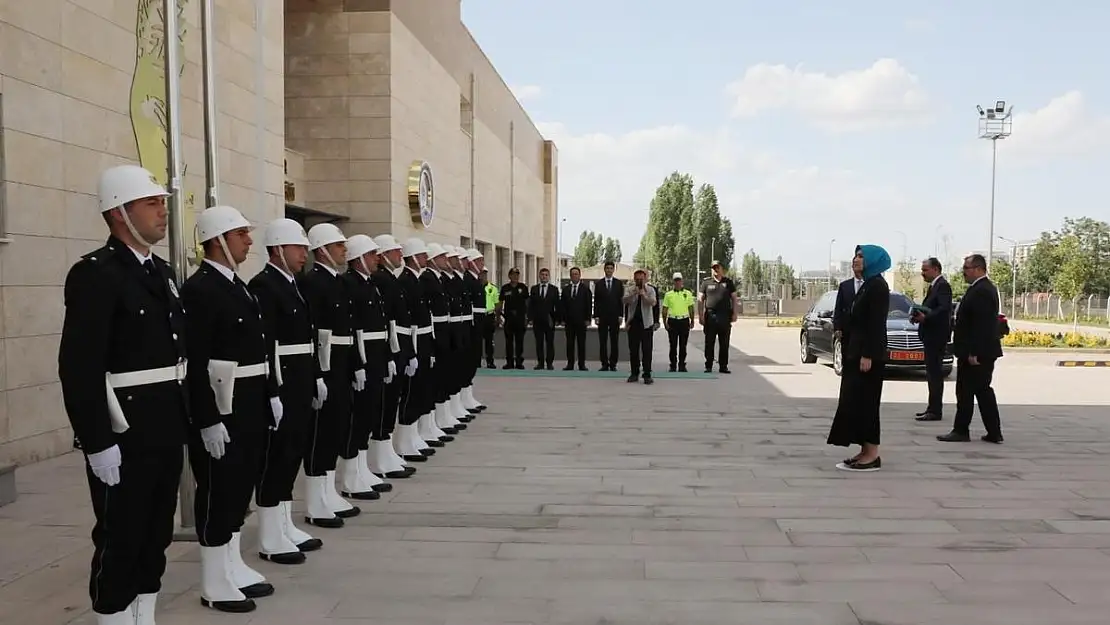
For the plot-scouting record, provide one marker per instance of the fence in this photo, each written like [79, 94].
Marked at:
[1032, 306]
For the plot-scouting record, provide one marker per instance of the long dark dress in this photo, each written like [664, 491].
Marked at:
[857, 411]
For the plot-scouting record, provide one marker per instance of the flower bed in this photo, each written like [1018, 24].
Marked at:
[784, 322]
[1068, 340]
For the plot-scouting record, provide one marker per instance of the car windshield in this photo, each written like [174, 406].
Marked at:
[899, 306]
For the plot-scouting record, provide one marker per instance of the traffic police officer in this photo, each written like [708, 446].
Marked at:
[472, 261]
[230, 393]
[678, 303]
[288, 328]
[332, 417]
[124, 326]
[415, 398]
[437, 287]
[383, 458]
[489, 327]
[372, 367]
[514, 313]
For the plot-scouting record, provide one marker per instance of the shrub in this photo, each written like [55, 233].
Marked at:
[785, 322]
[1074, 340]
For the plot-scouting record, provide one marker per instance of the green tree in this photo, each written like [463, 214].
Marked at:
[642, 256]
[611, 250]
[905, 277]
[958, 284]
[1040, 267]
[664, 223]
[726, 245]
[1002, 274]
[1074, 273]
[588, 251]
[751, 273]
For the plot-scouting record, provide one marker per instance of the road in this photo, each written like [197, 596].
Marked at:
[690, 502]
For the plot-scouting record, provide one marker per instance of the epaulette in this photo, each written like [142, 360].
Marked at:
[98, 256]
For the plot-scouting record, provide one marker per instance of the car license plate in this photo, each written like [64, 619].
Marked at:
[907, 356]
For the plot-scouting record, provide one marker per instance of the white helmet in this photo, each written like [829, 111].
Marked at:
[284, 232]
[474, 254]
[219, 220]
[412, 247]
[435, 249]
[457, 252]
[358, 245]
[324, 234]
[126, 183]
[386, 243]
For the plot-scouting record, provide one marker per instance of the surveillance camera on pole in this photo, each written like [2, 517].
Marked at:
[995, 122]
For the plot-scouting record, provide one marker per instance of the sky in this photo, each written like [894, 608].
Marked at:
[851, 120]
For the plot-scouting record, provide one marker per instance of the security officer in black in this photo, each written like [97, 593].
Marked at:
[288, 327]
[514, 314]
[383, 458]
[717, 310]
[230, 391]
[439, 297]
[125, 324]
[461, 321]
[372, 356]
[417, 398]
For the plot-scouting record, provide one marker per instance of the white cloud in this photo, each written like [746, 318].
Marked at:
[881, 96]
[526, 92]
[919, 25]
[1065, 127]
[606, 183]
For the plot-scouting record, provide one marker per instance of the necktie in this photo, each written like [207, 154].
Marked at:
[543, 290]
[574, 291]
[148, 264]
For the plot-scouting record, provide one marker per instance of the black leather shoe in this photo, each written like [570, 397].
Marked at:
[648, 379]
[293, 557]
[928, 416]
[369, 495]
[312, 544]
[632, 379]
[333, 523]
[954, 437]
[231, 607]
[992, 438]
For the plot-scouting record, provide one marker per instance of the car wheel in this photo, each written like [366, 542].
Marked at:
[807, 354]
[838, 357]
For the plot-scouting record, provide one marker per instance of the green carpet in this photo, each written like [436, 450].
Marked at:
[559, 373]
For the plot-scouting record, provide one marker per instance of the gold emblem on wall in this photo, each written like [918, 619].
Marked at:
[421, 193]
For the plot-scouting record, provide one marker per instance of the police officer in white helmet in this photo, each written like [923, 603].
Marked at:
[124, 325]
[474, 262]
[229, 393]
[417, 391]
[290, 341]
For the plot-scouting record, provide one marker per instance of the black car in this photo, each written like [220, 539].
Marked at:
[904, 349]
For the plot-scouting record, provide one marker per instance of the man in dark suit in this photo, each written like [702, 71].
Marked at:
[934, 327]
[543, 311]
[845, 295]
[977, 346]
[577, 309]
[608, 310]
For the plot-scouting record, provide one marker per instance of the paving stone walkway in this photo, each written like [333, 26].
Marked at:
[690, 502]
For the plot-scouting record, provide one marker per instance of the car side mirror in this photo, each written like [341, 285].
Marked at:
[825, 314]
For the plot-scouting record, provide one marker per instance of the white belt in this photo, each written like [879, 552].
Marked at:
[251, 371]
[342, 340]
[375, 336]
[424, 330]
[148, 376]
[441, 318]
[294, 350]
[461, 318]
[407, 331]
[478, 310]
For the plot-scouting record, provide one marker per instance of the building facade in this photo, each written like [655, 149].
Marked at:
[324, 111]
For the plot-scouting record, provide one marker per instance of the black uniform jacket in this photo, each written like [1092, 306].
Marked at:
[438, 301]
[976, 332]
[865, 326]
[287, 322]
[397, 312]
[119, 319]
[330, 307]
[368, 310]
[475, 295]
[224, 322]
[420, 316]
[460, 306]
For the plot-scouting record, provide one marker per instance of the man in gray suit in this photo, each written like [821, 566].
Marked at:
[641, 314]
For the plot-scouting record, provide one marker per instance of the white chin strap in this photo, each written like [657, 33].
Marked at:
[331, 260]
[227, 254]
[131, 228]
[365, 269]
[284, 265]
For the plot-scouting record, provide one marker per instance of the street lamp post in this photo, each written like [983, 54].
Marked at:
[829, 267]
[559, 250]
[1013, 274]
[994, 123]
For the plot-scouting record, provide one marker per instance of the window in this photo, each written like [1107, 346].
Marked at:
[899, 306]
[825, 303]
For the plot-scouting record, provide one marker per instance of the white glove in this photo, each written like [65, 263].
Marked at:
[105, 465]
[278, 410]
[321, 394]
[433, 363]
[410, 369]
[391, 370]
[215, 437]
[360, 379]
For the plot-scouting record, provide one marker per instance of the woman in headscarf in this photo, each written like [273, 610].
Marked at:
[861, 383]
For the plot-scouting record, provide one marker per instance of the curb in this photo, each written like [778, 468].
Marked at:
[1057, 350]
[1083, 363]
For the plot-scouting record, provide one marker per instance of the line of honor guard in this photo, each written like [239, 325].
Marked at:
[353, 370]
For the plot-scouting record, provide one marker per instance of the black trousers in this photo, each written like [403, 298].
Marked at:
[576, 344]
[367, 406]
[934, 374]
[678, 335]
[416, 391]
[641, 342]
[608, 333]
[225, 486]
[331, 424]
[973, 383]
[488, 330]
[391, 402]
[514, 342]
[545, 344]
[134, 525]
[282, 456]
[477, 340]
[717, 330]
